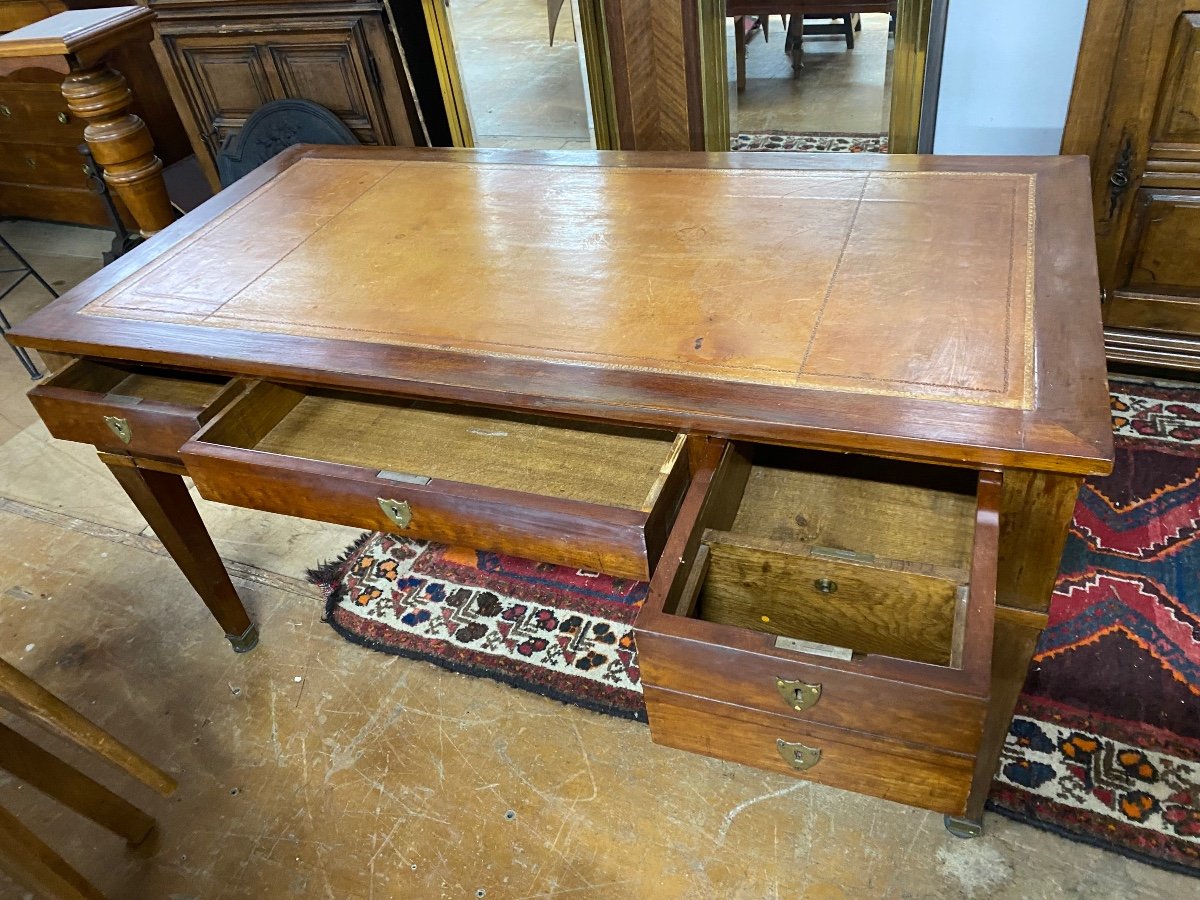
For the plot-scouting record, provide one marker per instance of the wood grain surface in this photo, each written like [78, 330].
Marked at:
[622, 286]
[633, 268]
[868, 764]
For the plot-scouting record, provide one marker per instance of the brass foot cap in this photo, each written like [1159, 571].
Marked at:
[244, 642]
[962, 828]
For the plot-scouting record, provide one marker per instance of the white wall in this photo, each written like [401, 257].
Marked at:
[1007, 70]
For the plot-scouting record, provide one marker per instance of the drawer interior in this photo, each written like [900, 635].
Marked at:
[842, 555]
[120, 381]
[408, 439]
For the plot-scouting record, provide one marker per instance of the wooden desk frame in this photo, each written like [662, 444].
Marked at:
[1035, 458]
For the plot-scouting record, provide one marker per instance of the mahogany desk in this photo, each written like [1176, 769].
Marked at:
[845, 452]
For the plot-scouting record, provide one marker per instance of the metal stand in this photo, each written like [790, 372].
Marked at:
[25, 270]
[124, 240]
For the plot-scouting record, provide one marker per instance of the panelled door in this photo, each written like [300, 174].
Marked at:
[1135, 111]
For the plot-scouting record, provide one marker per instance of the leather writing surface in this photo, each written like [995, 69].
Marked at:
[916, 284]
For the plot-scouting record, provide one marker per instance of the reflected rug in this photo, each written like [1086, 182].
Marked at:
[1105, 746]
[811, 142]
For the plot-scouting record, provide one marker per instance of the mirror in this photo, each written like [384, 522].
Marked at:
[520, 72]
[839, 75]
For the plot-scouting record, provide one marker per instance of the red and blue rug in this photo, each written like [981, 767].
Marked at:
[1105, 746]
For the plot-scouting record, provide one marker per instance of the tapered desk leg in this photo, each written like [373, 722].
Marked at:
[164, 500]
[120, 143]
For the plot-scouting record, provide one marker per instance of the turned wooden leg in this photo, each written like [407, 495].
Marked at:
[50, 775]
[28, 859]
[163, 499]
[120, 143]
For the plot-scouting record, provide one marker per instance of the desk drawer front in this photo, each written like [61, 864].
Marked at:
[37, 114]
[129, 409]
[573, 494]
[849, 760]
[895, 647]
[809, 692]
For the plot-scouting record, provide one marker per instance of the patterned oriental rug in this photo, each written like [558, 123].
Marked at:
[818, 141]
[1105, 746]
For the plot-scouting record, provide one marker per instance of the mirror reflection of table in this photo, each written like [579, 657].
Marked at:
[795, 11]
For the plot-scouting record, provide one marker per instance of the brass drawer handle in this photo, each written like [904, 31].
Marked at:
[825, 585]
[798, 756]
[119, 427]
[398, 511]
[5, 111]
[64, 119]
[799, 695]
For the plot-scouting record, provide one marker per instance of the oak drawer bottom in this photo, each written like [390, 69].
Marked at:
[866, 764]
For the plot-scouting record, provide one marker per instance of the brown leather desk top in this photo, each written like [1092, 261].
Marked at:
[941, 308]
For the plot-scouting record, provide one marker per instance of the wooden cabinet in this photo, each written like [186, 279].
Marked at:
[41, 170]
[224, 60]
[1135, 111]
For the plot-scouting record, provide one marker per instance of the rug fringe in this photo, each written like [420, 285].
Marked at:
[324, 574]
[1092, 841]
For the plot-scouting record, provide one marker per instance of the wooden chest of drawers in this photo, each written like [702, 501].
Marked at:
[41, 170]
[847, 477]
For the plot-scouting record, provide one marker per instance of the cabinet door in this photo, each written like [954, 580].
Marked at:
[1135, 111]
[342, 63]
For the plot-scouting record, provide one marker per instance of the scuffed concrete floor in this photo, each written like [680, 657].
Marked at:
[314, 768]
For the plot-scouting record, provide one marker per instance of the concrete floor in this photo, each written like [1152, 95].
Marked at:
[314, 768]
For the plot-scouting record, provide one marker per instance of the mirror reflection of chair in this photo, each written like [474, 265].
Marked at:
[844, 13]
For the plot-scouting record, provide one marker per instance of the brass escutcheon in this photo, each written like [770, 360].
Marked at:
[798, 756]
[119, 427]
[799, 695]
[398, 511]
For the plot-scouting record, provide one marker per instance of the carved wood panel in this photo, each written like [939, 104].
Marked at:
[227, 83]
[1177, 120]
[1161, 265]
[332, 69]
[1135, 111]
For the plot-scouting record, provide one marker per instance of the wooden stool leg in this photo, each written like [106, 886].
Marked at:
[164, 500]
[120, 143]
[739, 44]
[43, 770]
[23, 696]
[26, 858]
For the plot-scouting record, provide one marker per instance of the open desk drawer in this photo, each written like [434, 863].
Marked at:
[128, 408]
[596, 496]
[827, 591]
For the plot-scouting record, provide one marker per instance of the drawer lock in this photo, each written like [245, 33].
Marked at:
[398, 511]
[119, 427]
[798, 756]
[799, 695]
